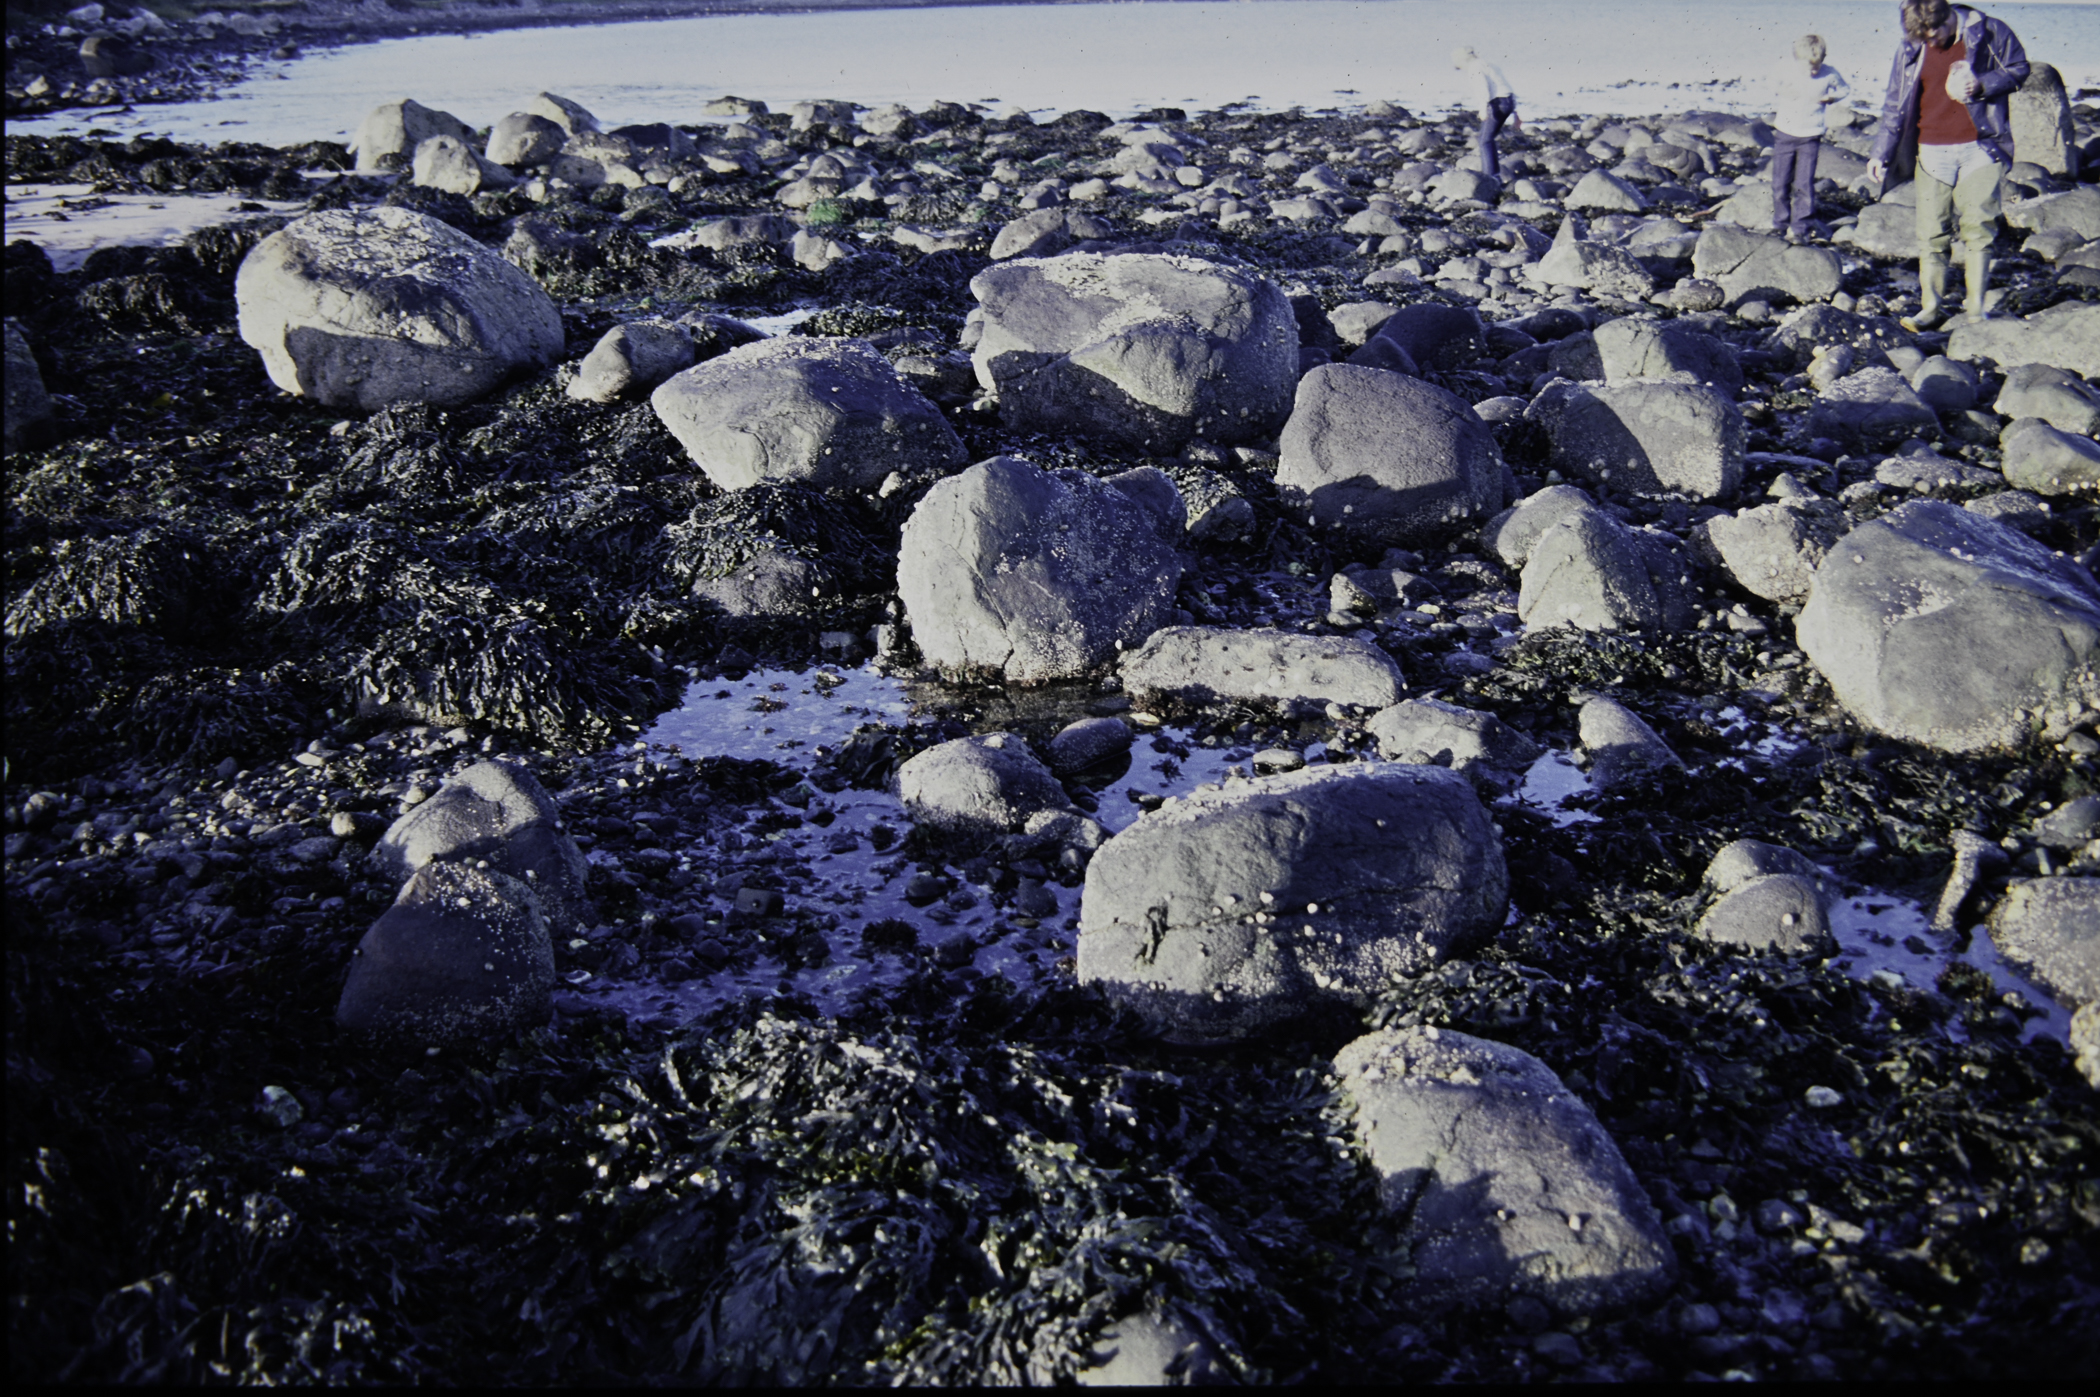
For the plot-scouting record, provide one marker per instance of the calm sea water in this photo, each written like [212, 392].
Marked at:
[1622, 56]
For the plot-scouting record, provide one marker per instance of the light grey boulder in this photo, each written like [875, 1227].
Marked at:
[2049, 461]
[2049, 928]
[499, 814]
[524, 139]
[2066, 336]
[1357, 321]
[2077, 210]
[1578, 264]
[2061, 399]
[1511, 534]
[570, 116]
[1600, 191]
[2039, 112]
[2084, 1041]
[365, 308]
[1645, 437]
[1872, 407]
[1156, 1350]
[1742, 861]
[978, 786]
[1939, 626]
[632, 358]
[772, 584]
[1947, 385]
[1211, 664]
[1434, 336]
[826, 412]
[449, 164]
[1590, 572]
[1754, 266]
[28, 405]
[1777, 912]
[1231, 910]
[1393, 459]
[1639, 348]
[462, 958]
[1506, 1182]
[397, 128]
[1032, 575]
[1045, 232]
[737, 230]
[1153, 490]
[1774, 549]
[1478, 746]
[1887, 229]
[1140, 349]
[1620, 747]
[1088, 741]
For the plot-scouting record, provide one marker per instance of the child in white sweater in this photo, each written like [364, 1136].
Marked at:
[1805, 87]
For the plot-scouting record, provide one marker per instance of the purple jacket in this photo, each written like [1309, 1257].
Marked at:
[2000, 65]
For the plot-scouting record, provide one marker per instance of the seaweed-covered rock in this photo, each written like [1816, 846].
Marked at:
[393, 130]
[28, 418]
[1031, 574]
[150, 579]
[1230, 910]
[1937, 625]
[1392, 458]
[1140, 349]
[1478, 746]
[1646, 436]
[1211, 664]
[829, 412]
[462, 957]
[1505, 1181]
[1774, 549]
[2050, 929]
[779, 537]
[632, 358]
[498, 814]
[365, 308]
[978, 786]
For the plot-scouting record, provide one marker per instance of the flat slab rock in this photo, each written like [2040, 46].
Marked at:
[1508, 1183]
[1208, 664]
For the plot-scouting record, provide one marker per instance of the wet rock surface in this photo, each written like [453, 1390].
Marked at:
[793, 1044]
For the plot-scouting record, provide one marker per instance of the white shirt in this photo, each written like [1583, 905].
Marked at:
[1802, 97]
[1491, 82]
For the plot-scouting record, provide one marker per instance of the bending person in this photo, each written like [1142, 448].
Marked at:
[1946, 115]
[1805, 87]
[1498, 103]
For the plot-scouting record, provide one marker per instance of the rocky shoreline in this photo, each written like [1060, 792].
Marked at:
[1307, 450]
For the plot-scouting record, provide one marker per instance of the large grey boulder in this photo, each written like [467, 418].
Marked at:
[827, 412]
[499, 814]
[1888, 229]
[1506, 1182]
[633, 358]
[1511, 534]
[1643, 437]
[1770, 898]
[525, 139]
[2072, 210]
[1393, 459]
[1578, 264]
[2042, 131]
[395, 129]
[1231, 910]
[449, 164]
[570, 116]
[1601, 191]
[2067, 335]
[1640, 348]
[2050, 929]
[1754, 266]
[2049, 461]
[1620, 746]
[1210, 664]
[2062, 399]
[978, 786]
[1032, 575]
[1140, 349]
[1942, 627]
[1435, 336]
[1873, 407]
[461, 958]
[28, 405]
[365, 308]
[1774, 549]
[1590, 572]
[1478, 746]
